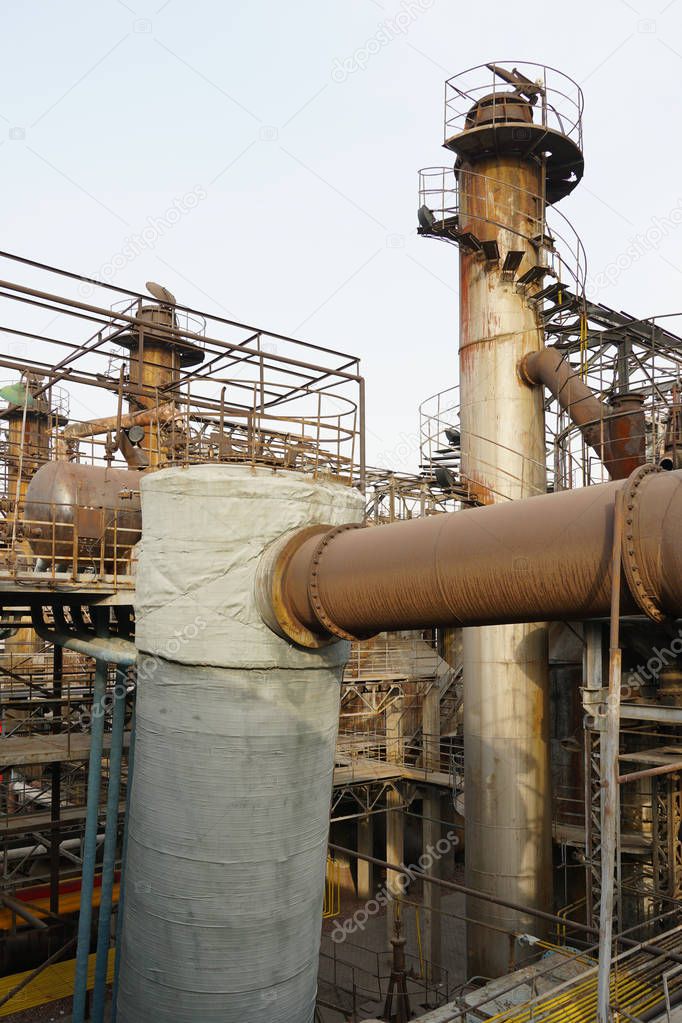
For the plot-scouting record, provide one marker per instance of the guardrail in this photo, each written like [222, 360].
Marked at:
[66, 543]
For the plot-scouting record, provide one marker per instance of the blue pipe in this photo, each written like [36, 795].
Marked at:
[110, 837]
[80, 989]
[124, 856]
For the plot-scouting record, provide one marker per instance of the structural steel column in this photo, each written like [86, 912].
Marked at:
[431, 919]
[395, 852]
[431, 830]
[507, 778]
[395, 820]
[431, 726]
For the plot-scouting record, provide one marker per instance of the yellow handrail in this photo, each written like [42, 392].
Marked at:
[332, 890]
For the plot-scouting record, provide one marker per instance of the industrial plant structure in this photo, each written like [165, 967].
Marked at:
[218, 622]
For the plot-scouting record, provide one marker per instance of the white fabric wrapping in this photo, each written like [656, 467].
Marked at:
[236, 731]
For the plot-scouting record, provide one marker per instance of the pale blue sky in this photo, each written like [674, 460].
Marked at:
[112, 110]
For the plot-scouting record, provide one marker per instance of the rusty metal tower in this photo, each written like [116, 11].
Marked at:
[516, 133]
[159, 350]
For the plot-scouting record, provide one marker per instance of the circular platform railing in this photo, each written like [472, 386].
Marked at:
[555, 99]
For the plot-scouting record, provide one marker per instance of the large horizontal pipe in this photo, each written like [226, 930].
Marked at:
[545, 558]
[616, 432]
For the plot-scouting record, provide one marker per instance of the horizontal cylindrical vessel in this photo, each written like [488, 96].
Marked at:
[89, 509]
[543, 558]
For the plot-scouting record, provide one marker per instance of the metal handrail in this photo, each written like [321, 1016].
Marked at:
[440, 412]
[439, 191]
[562, 100]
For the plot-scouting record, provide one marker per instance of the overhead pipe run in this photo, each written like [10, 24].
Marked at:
[545, 558]
[95, 427]
[615, 431]
[128, 431]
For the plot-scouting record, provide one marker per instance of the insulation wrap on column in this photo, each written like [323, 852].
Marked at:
[236, 732]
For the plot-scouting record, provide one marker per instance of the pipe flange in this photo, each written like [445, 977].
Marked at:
[524, 374]
[637, 578]
[270, 589]
[313, 585]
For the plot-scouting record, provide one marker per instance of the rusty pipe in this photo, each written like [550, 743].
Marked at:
[135, 457]
[544, 558]
[93, 427]
[615, 432]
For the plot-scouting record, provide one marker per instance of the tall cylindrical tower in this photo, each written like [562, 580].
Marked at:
[29, 417]
[518, 148]
[236, 734]
[158, 352]
[31, 413]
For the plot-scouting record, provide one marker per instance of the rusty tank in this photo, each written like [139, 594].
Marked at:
[83, 514]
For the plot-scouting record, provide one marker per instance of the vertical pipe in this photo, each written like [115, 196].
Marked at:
[110, 837]
[122, 881]
[431, 830]
[431, 929]
[609, 779]
[395, 820]
[56, 795]
[90, 843]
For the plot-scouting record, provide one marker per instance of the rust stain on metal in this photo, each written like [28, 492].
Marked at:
[543, 558]
[86, 507]
[616, 432]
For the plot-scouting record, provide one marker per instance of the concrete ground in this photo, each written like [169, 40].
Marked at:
[364, 959]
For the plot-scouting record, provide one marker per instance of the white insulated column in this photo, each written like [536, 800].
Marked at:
[236, 733]
[507, 779]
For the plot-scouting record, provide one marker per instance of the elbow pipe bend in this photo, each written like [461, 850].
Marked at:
[112, 649]
[615, 431]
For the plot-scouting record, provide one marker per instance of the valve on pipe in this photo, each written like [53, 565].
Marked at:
[545, 558]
